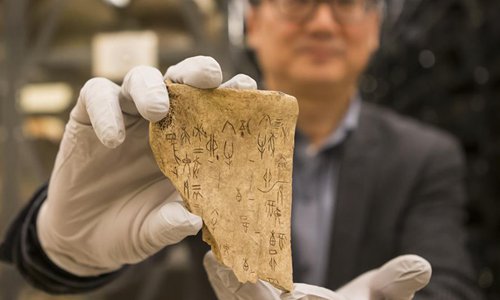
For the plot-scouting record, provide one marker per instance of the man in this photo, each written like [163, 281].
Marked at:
[368, 185]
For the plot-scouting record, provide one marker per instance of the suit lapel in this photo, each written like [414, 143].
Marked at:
[357, 170]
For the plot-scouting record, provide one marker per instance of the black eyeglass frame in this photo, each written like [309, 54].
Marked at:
[307, 14]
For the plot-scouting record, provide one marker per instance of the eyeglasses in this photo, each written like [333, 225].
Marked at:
[345, 11]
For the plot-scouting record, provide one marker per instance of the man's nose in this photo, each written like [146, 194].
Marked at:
[324, 15]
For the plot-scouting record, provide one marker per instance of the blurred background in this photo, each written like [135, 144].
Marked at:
[438, 62]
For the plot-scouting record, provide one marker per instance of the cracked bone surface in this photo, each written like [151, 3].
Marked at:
[229, 153]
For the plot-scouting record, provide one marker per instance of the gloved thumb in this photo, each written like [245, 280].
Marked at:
[303, 291]
[169, 224]
[401, 277]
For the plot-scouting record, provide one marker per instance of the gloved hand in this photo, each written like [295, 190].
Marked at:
[398, 279]
[108, 203]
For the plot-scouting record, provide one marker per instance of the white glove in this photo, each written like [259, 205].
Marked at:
[398, 279]
[108, 203]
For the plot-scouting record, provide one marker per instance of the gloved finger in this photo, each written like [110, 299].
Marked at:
[401, 277]
[358, 288]
[169, 224]
[227, 286]
[240, 81]
[202, 72]
[98, 105]
[310, 292]
[143, 91]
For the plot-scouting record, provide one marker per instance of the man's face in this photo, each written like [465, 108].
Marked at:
[317, 51]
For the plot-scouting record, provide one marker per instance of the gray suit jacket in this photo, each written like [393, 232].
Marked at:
[400, 191]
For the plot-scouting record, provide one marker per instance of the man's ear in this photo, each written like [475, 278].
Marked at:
[374, 41]
[251, 27]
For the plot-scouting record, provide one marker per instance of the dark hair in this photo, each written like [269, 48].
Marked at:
[254, 2]
[257, 2]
